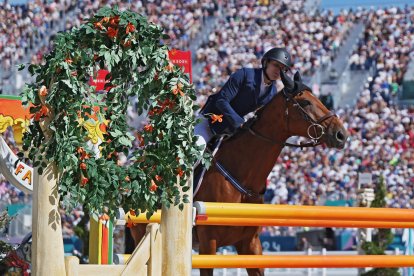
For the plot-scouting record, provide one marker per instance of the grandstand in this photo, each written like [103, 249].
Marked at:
[371, 51]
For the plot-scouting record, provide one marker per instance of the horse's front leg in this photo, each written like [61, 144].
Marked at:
[251, 246]
[207, 246]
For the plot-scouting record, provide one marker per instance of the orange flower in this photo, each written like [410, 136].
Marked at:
[216, 118]
[82, 166]
[140, 140]
[104, 217]
[148, 128]
[84, 156]
[105, 20]
[130, 224]
[112, 33]
[114, 20]
[154, 186]
[158, 178]
[169, 67]
[84, 181]
[132, 212]
[126, 44]
[127, 179]
[178, 89]
[68, 60]
[180, 172]
[130, 28]
[43, 91]
[98, 25]
[43, 112]
[83, 153]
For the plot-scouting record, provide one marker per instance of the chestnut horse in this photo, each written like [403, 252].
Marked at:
[249, 157]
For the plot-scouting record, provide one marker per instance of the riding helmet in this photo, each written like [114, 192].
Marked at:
[279, 54]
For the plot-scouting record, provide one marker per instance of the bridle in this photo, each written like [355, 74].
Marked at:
[316, 125]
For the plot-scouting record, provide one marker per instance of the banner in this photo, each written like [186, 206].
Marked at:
[182, 59]
[100, 80]
[13, 114]
[17, 173]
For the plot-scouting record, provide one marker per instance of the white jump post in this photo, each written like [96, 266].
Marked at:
[47, 248]
[176, 229]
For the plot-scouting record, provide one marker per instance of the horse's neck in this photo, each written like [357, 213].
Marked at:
[249, 158]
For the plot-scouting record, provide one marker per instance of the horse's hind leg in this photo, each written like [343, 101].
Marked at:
[207, 246]
[138, 232]
[251, 247]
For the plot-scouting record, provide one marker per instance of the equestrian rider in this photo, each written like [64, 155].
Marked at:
[245, 91]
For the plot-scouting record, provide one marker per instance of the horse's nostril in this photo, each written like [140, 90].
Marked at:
[340, 136]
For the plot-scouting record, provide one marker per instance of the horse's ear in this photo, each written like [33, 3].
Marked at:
[287, 81]
[297, 77]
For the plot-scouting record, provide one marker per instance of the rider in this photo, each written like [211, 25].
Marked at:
[244, 92]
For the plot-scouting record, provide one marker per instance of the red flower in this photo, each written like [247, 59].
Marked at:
[82, 166]
[68, 60]
[140, 140]
[148, 128]
[158, 178]
[84, 181]
[154, 186]
[43, 112]
[112, 33]
[43, 91]
[180, 172]
[126, 44]
[178, 89]
[114, 20]
[130, 28]
[98, 25]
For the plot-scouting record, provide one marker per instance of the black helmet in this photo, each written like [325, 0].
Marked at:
[279, 54]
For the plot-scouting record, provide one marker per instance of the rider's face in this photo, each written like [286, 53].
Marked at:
[273, 69]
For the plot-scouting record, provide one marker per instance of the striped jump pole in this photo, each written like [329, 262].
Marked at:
[203, 219]
[269, 211]
[272, 261]
[225, 221]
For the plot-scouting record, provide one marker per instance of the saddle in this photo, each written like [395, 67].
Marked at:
[200, 169]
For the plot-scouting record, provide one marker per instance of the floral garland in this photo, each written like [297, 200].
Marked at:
[70, 119]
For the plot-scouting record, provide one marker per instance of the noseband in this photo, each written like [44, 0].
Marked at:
[316, 125]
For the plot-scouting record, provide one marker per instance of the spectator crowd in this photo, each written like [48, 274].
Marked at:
[381, 133]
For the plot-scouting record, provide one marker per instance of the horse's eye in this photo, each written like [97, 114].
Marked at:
[304, 103]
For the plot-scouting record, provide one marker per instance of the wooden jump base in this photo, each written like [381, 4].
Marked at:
[269, 211]
[267, 261]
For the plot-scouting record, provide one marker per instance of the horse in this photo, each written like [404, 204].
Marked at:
[249, 157]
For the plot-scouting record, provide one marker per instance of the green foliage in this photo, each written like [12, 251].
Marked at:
[382, 238]
[129, 47]
[5, 248]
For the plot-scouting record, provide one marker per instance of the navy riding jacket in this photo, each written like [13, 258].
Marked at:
[238, 97]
